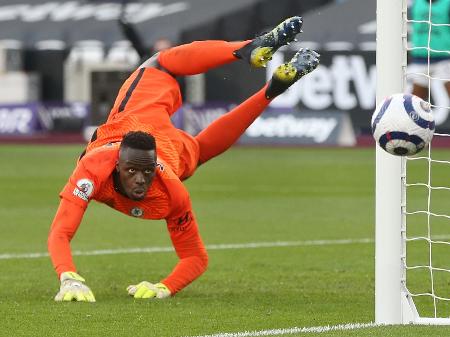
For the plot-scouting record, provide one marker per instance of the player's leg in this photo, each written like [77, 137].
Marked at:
[227, 129]
[200, 56]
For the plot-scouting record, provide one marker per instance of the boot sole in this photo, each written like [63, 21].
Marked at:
[286, 73]
[260, 56]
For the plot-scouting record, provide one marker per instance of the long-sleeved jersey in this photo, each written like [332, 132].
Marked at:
[167, 198]
[145, 102]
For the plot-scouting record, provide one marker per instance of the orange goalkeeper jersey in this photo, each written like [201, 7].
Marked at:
[167, 198]
[92, 179]
[146, 102]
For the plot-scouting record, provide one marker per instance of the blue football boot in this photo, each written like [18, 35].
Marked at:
[260, 50]
[303, 62]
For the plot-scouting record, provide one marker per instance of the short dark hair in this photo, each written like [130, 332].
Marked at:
[139, 140]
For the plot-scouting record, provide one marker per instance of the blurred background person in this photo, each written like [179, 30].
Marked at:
[429, 45]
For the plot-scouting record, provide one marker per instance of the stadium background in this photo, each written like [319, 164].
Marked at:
[62, 62]
[296, 249]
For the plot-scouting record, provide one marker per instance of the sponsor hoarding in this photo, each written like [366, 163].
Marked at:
[28, 119]
[279, 126]
[19, 119]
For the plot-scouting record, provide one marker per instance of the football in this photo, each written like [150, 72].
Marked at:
[403, 124]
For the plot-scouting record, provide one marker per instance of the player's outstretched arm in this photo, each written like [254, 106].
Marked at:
[193, 260]
[65, 224]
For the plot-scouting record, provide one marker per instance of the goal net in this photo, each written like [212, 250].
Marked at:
[412, 283]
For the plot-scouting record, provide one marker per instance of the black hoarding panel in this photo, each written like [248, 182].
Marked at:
[344, 81]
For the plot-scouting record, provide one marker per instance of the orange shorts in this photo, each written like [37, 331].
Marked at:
[146, 101]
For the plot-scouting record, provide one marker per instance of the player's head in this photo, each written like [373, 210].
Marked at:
[136, 164]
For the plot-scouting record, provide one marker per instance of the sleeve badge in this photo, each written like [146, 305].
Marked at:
[84, 189]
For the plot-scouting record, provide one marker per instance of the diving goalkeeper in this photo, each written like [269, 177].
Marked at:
[136, 161]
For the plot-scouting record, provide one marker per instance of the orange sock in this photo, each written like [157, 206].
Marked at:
[199, 56]
[226, 130]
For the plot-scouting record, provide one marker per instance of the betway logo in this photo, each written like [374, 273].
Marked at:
[346, 83]
[74, 10]
[288, 126]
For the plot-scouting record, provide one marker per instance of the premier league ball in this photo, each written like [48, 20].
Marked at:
[403, 124]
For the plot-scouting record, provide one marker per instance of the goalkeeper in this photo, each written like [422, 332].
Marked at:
[136, 161]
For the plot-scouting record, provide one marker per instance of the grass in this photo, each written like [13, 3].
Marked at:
[246, 195]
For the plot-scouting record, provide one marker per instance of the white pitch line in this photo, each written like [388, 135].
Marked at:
[249, 245]
[290, 331]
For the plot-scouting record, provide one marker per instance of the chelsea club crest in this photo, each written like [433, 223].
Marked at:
[137, 212]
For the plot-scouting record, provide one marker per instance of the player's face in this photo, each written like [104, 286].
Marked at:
[136, 170]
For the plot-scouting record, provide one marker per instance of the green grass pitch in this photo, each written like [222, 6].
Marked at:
[248, 195]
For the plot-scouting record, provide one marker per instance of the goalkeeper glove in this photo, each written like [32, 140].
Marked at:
[73, 289]
[148, 290]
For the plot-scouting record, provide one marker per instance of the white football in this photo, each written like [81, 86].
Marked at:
[403, 124]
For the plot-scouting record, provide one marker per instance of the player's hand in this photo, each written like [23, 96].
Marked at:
[148, 290]
[73, 289]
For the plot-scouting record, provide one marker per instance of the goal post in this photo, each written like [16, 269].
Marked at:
[390, 60]
[394, 304]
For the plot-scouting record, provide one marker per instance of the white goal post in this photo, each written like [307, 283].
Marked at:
[393, 303]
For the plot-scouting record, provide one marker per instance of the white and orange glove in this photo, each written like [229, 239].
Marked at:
[148, 290]
[73, 289]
